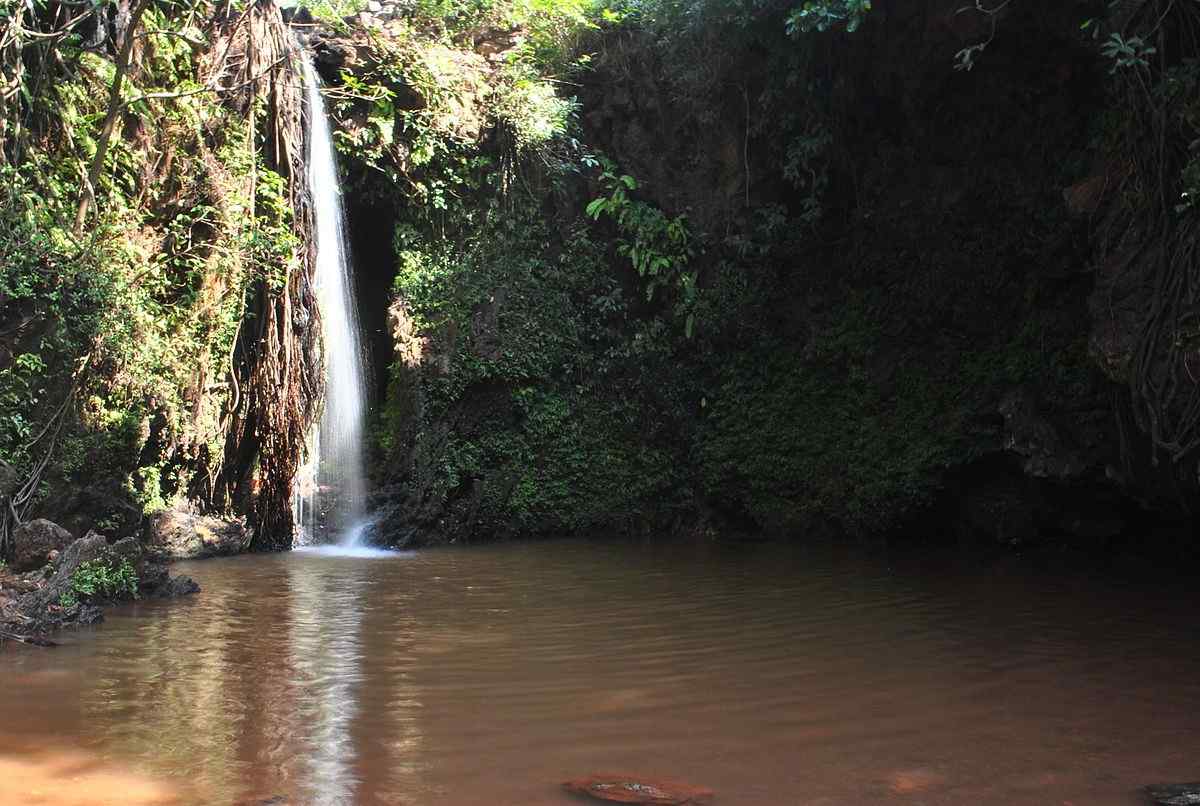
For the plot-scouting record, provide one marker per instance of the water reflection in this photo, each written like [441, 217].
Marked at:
[772, 675]
[325, 652]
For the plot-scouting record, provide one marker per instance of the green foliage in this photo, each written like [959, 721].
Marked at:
[128, 331]
[271, 246]
[101, 578]
[332, 13]
[532, 318]
[533, 109]
[551, 26]
[806, 168]
[148, 489]
[557, 390]
[856, 335]
[21, 394]
[657, 246]
[579, 469]
[45, 279]
[416, 111]
[822, 15]
[1127, 53]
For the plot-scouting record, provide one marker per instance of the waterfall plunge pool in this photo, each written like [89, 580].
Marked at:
[772, 674]
[339, 550]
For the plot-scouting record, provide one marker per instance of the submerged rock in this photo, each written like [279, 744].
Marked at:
[635, 789]
[174, 587]
[33, 542]
[1175, 794]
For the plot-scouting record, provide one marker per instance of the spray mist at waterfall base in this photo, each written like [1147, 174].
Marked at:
[350, 543]
[357, 552]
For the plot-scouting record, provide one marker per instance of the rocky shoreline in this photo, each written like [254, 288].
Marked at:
[57, 581]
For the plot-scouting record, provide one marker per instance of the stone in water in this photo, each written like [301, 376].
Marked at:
[1175, 794]
[635, 789]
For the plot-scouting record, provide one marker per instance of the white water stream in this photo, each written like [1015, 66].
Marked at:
[331, 488]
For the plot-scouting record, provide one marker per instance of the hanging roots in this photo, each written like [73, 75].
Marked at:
[253, 67]
[276, 370]
[1148, 235]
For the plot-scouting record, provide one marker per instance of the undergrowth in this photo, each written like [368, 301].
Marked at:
[100, 579]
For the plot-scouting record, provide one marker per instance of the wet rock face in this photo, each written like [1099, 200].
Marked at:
[89, 614]
[33, 541]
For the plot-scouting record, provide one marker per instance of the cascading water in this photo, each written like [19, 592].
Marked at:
[331, 490]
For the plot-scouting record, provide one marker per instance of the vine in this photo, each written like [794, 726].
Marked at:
[658, 247]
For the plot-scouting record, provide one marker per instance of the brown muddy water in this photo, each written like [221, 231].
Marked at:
[773, 675]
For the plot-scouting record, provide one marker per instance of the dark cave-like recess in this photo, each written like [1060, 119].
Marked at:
[369, 228]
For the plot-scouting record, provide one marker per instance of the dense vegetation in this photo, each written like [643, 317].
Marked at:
[653, 265]
[140, 217]
[773, 269]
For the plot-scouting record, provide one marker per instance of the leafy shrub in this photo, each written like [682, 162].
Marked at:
[659, 247]
[101, 578]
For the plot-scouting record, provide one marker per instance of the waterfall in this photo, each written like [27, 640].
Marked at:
[332, 486]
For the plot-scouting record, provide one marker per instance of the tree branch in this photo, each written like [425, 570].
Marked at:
[115, 106]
